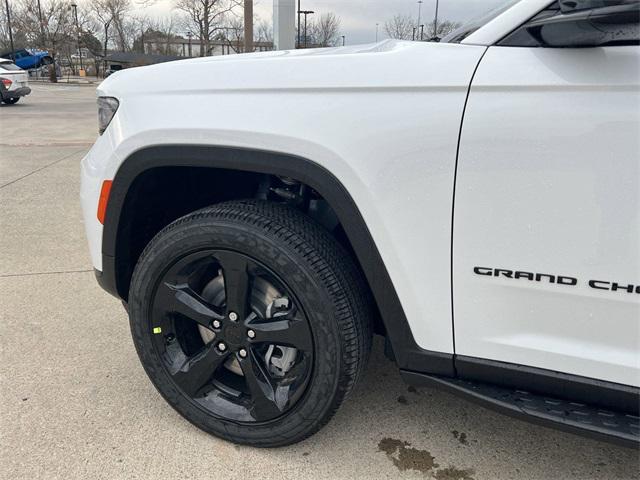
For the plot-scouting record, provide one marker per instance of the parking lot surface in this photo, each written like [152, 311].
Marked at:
[75, 402]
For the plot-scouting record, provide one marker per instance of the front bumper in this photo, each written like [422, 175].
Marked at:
[99, 164]
[18, 92]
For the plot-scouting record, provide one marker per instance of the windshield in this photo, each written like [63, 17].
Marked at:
[468, 28]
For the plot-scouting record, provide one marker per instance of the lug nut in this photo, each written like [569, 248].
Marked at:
[242, 353]
[233, 316]
[251, 334]
[216, 324]
[222, 347]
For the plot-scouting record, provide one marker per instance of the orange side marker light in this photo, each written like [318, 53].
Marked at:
[104, 199]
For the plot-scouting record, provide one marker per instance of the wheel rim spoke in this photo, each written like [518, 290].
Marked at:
[188, 303]
[235, 269]
[268, 398]
[290, 332]
[192, 373]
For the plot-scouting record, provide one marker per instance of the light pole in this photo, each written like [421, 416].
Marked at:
[9, 26]
[299, 12]
[343, 40]
[435, 22]
[189, 35]
[419, 12]
[414, 34]
[422, 32]
[305, 13]
[377, 26]
[248, 26]
[42, 38]
[75, 14]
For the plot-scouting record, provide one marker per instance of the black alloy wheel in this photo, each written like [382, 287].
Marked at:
[251, 321]
[231, 336]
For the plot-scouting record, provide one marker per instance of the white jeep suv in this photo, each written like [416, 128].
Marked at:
[476, 201]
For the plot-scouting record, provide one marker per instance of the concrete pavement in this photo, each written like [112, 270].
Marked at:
[75, 402]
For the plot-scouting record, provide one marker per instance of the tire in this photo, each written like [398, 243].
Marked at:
[11, 101]
[318, 352]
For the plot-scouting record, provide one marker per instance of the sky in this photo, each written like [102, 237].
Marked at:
[359, 17]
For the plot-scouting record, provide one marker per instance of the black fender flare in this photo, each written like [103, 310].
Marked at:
[408, 354]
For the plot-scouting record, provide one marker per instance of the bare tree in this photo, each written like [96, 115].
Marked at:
[57, 26]
[20, 39]
[141, 24]
[111, 17]
[4, 30]
[167, 30]
[159, 36]
[264, 31]
[123, 26]
[444, 28]
[94, 47]
[207, 18]
[233, 33]
[325, 31]
[399, 27]
[103, 19]
[145, 3]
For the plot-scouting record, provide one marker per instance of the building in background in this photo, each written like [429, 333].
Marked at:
[184, 47]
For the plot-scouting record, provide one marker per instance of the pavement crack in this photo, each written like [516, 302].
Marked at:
[8, 275]
[42, 168]
[48, 144]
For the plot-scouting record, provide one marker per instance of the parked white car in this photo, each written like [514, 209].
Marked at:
[14, 82]
[476, 201]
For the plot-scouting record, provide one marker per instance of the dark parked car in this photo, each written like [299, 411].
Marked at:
[112, 69]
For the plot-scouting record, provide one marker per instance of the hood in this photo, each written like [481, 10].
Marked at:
[401, 62]
[214, 69]
[304, 52]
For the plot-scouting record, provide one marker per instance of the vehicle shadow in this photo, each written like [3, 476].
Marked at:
[15, 105]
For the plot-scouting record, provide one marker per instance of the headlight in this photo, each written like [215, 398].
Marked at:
[107, 107]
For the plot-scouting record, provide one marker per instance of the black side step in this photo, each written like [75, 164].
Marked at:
[579, 418]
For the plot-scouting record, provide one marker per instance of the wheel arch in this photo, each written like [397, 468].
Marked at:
[407, 353]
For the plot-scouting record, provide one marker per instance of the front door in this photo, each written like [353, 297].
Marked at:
[547, 212]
